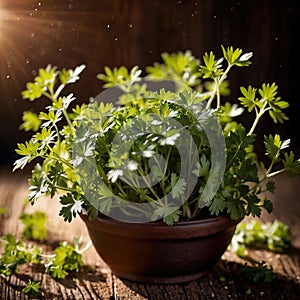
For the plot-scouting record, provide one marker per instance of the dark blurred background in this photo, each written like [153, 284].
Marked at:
[135, 32]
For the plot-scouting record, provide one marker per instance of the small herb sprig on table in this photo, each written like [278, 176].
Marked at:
[65, 258]
[32, 288]
[274, 236]
[260, 272]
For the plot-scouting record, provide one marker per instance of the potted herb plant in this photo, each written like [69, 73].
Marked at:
[160, 175]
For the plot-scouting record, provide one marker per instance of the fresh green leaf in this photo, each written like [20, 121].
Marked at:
[235, 57]
[38, 184]
[66, 259]
[260, 272]
[217, 205]
[32, 287]
[211, 67]
[252, 206]
[290, 164]
[170, 215]
[13, 255]
[30, 121]
[70, 206]
[178, 186]
[270, 186]
[33, 92]
[274, 145]
[249, 100]
[182, 67]
[70, 76]
[274, 236]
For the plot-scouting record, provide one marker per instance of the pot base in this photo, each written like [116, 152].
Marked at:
[162, 280]
[160, 254]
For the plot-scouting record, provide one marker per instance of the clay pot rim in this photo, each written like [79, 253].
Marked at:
[159, 230]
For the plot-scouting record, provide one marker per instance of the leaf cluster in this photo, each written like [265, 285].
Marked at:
[181, 67]
[274, 236]
[66, 258]
[32, 287]
[260, 272]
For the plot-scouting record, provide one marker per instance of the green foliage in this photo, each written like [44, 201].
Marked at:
[50, 142]
[181, 67]
[274, 236]
[291, 164]
[234, 57]
[30, 121]
[120, 77]
[70, 206]
[145, 168]
[34, 225]
[66, 258]
[32, 288]
[16, 253]
[170, 215]
[260, 272]
[211, 67]
[267, 102]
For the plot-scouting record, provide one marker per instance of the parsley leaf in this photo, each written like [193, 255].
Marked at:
[66, 259]
[32, 287]
[259, 272]
[71, 206]
[170, 215]
[274, 236]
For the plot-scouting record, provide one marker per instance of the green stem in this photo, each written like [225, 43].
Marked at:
[195, 211]
[103, 175]
[149, 185]
[211, 98]
[163, 179]
[85, 248]
[23, 249]
[216, 90]
[270, 168]
[48, 96]
[275, 173]
[58, 91]
[58, 158]
[258, 116]
[119, 186]
[233, 157]
[63, 188]
[68, 120]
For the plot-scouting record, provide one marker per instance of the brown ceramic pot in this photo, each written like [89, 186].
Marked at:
[157, 253]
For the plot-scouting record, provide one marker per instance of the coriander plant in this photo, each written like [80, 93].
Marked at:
[148, 155]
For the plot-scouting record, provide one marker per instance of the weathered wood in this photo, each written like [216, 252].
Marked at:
[97, 282]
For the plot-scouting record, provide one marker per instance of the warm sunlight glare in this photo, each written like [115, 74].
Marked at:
[31, 33]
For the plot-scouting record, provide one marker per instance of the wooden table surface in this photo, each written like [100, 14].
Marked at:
[95, 281]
